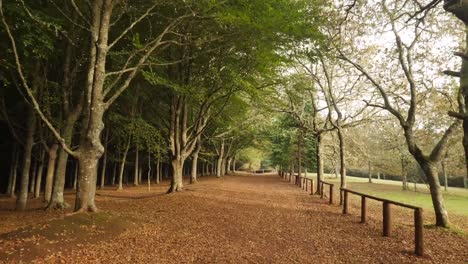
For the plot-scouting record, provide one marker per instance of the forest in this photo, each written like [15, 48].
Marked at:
[102, 98]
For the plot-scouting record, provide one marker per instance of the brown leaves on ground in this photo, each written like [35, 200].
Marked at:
[236, 219]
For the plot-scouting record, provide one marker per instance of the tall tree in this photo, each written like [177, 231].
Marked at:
[404, 109]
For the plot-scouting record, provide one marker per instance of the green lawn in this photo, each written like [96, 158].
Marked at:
[456, 198]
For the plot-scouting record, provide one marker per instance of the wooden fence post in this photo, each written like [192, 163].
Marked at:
[311, 187]
[306, 185]
[418, 232]
[387, 218]
[321, 190]
[345, 202]
[363, 209]
[331, 194]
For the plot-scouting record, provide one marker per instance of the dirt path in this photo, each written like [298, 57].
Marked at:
[246, 219]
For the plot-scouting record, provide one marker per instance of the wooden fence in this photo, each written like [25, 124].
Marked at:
[386, 208]
[322, 183]
[387, 216]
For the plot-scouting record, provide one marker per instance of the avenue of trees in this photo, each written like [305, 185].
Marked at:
[116, 92]
[104, 92]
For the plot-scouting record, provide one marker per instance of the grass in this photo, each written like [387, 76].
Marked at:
[456, 199]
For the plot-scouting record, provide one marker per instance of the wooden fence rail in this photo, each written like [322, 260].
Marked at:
[322, 183]
[387, 216]
[304, 183]
[386, 207]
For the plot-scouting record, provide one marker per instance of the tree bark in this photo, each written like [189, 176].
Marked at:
[342, 158]
[135, 174]
[21, 202]
[52, 153]
[234, 165]
[140, 173]
[75, 176]
[369, 166]
[15, 176]
[57, 201]
[87, 175]
[430, 170]
[291, 169]
[114, 173]
[444, 172]
[404, 174]
[149, 171]
[464, 90]
[219, 167]
[177, 179]
[33, 175]
[319, 162]
[158, 171]
[299, 157]
[229, 165]
[12, 174]
[122, 165]
[104, 160]
[37, 189]
[223, 166]
[193, 176]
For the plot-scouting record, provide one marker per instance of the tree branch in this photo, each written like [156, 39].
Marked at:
[29, 92]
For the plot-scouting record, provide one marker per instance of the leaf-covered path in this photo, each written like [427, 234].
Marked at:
[236, 219]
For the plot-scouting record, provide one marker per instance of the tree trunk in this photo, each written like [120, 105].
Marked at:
[234, 165]
[404, 174]
[87, 175]
[57, 201]
[140, 173]
[223, 166]
[26, 166]
[15, 176]
[319, 162]
[13, 171]
[342, 158]
[158, 171]
[229, 165]
[464, 89]
[291, 170]
[299, 158]
[430, 170]
[342, 161]
[149, 171]
[75, 176]
[193, 176]
[122, 165]
[369, 166]
[444, 172]
[33, 175]
[37, 189]
[52, 153]
[219, 167]
[135, 174]
[104, 161]
[114, 172]
[177, 179]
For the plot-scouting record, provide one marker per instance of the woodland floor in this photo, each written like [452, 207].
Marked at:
[235, 219]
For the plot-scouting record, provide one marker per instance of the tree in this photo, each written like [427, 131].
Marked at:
[404, 109]
[459, 9]
[102, 15]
